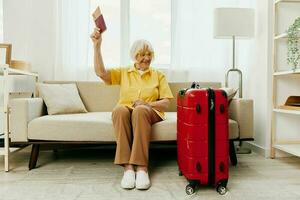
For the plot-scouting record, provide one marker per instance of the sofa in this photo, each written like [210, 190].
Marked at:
[30, 123]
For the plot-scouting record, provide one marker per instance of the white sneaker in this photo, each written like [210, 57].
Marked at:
[128, 180]
[142, 181]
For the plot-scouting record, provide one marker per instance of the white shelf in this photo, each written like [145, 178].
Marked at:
[12, 71]
[6, 71]
[294, 112]
[293, 149]
[286, 1]
[289, 72]
[283, 35]
[280, 36]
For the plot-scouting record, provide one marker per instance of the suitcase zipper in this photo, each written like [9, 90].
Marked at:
[211, 104]
[211, 137]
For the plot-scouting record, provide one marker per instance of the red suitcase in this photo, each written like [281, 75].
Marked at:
[202, 138]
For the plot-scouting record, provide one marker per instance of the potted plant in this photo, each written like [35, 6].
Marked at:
[293, 54]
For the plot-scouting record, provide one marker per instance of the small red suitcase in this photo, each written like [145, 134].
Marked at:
[202, 137]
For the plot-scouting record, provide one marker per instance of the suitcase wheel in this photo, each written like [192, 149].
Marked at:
[189, 189]
[221, 189]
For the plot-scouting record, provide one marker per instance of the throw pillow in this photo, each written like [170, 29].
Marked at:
[61, 98]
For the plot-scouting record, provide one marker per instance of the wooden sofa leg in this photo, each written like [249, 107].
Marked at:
[232, 153]
[34, 156]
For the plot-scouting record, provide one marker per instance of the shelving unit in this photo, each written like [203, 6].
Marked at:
[281, 125]
[6, 71]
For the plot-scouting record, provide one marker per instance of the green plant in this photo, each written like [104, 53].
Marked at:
[293, 54]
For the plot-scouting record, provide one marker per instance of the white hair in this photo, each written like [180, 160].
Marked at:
[138, 46]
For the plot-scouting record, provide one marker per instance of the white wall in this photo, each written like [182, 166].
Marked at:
[22, 23]
[257, 79]
[17, 32]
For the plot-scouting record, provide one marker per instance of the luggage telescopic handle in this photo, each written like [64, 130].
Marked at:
[198, 108]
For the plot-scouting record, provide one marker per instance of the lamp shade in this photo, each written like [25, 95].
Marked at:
[238, 22]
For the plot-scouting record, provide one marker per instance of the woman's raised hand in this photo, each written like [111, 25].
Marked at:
[96, 38]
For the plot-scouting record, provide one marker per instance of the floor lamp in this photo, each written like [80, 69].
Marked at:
[234, 23]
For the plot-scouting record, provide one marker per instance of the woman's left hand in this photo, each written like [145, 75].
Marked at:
[139, 102]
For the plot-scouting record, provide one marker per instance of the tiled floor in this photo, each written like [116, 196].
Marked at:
[90, 174]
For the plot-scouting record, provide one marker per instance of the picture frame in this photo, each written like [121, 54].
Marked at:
[5, 53]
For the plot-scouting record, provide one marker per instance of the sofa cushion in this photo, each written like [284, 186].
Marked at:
[91, 126]
[97, 126]
[165, 130]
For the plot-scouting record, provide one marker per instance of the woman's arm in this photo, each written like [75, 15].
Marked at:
[98, 61]
[160, 105]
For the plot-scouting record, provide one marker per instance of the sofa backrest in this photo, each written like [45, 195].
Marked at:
[98, 96]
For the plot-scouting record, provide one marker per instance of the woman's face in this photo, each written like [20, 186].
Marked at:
[143, 59]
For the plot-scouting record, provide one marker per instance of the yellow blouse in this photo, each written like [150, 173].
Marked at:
[150, 86]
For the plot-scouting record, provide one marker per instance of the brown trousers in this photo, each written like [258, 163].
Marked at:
[132, 131]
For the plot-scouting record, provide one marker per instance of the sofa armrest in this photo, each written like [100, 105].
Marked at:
[241, 110]
[22, 111]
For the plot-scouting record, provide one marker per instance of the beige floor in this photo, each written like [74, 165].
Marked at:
[89, 174]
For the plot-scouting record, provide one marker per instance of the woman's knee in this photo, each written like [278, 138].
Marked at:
[120, 111]
[141, 110]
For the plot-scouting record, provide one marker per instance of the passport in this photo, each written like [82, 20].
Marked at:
[99, 20]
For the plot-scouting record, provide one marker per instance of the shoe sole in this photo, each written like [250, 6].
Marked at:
[143, 188]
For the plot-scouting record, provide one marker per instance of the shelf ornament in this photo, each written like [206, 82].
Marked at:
[293, 54]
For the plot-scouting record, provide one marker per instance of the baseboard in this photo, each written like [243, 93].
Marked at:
[257, 149]
[264, 152]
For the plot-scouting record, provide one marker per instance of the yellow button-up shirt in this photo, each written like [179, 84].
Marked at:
[149, 86]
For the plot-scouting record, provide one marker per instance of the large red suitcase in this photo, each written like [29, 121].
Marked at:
[202, 137]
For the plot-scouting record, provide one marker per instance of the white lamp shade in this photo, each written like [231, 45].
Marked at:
[237, 22]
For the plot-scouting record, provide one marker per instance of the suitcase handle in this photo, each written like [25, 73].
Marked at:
[198, 108]
[182, 92]
[195, 85]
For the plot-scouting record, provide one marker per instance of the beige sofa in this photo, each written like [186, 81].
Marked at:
[30, 124]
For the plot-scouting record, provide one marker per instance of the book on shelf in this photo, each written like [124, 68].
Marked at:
[99, 20]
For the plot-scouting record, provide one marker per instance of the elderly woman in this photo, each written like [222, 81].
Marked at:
[144, 96]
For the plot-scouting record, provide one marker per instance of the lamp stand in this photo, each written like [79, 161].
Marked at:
[234, 69]
[239, 148]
